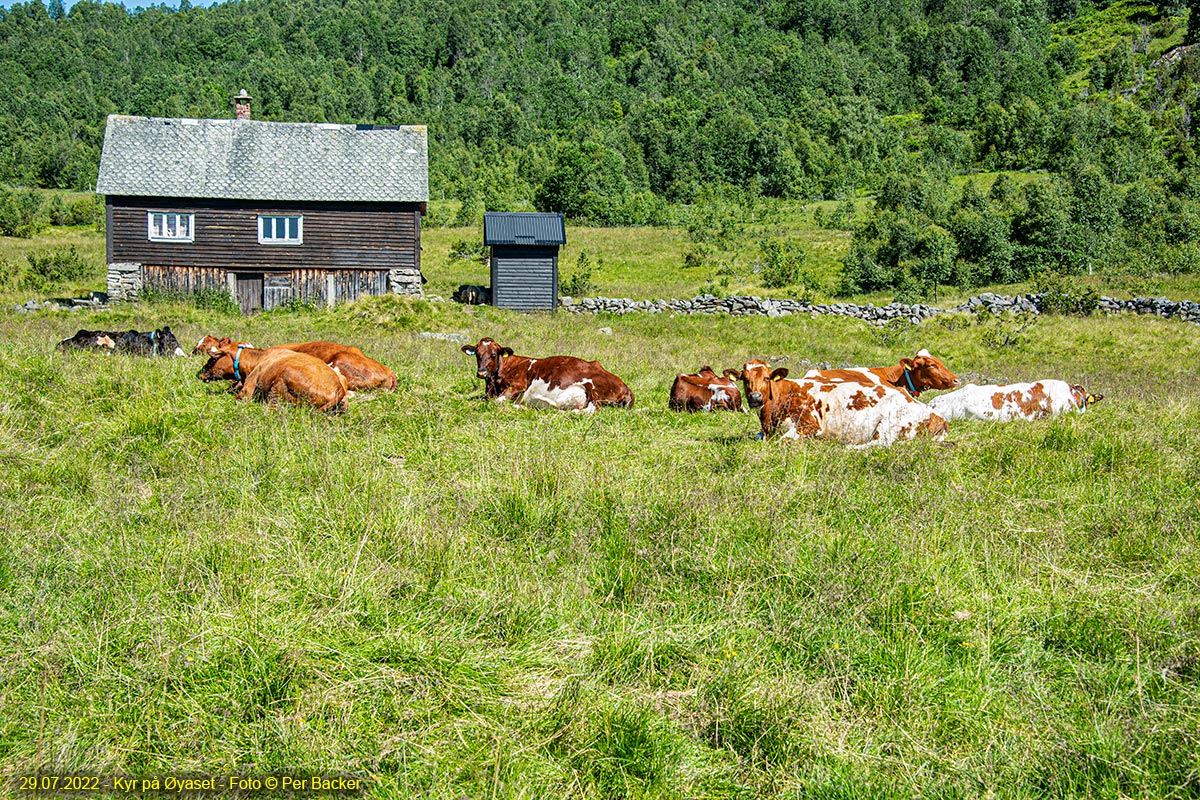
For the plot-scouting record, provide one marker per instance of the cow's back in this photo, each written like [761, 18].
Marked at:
[569, 383]
[1006, 402]
[285, 375]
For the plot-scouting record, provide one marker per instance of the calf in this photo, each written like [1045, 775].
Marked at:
[361, 372]
[561, 382]
[1006, 402]
[849, 412]
[296, 378]
[159, 342]
[911, 376]
[705, 391]
[472, 295]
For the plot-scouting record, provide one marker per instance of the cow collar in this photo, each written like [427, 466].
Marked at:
[154, 342]
[238, 357]
[911, 389]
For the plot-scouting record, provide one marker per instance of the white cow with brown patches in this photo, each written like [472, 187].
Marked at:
[912, 375]
[1010, 401]
[853, 413]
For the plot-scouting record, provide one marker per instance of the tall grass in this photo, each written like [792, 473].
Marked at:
[466, 600]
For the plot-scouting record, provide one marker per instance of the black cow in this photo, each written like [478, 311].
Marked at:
[90, 340]
[472, 295]
[159, 342]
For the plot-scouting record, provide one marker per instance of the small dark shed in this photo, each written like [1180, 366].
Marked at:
[524, 258]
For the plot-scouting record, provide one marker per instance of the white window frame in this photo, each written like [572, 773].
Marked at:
[160, 234]
[298, 239]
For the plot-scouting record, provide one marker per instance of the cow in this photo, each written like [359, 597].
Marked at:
[285, 375]
[560, 382]
[850, 412]
[88, 340]
[1008, 402]
[160, 342]
[361, 372]
[472, 295]
[705, 391]
[911, 376]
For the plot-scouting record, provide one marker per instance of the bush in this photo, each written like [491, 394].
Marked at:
[782, 263]
[469, 250]
[51, 268]
[697, 255]
[21, 213]
[215, 300]
[1061, 295]
[580, 284]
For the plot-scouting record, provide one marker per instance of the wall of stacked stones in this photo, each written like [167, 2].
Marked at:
[766, 307]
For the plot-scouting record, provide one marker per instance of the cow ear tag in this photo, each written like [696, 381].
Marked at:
[777, 378]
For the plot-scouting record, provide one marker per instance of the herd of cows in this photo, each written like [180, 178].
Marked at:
[859, 407]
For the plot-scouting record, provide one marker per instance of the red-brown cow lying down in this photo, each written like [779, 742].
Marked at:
[1007, 402]
[278, 374]
[296, 378]
[850, 412]
[911, 376]
[562, 382]
[360, 371]
[705, 391]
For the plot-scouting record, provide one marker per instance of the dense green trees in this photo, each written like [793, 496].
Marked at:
[790, 97]
[610, 110]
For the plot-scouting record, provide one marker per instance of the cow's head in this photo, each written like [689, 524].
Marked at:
[758, 379]
[209, 345]
[487, 357]
[218, 368]
[926, 371]
[167, 343]
[1084, 398]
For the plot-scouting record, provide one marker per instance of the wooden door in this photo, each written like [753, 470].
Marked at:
[250, 291]
[277, 290]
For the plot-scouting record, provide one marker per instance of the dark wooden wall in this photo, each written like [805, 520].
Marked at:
[525, 278]
[357, 236]
[270, 289]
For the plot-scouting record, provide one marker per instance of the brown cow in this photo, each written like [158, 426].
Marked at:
[295, 378]
[562, 382]
[911, 376]
[853, 413]
[705, 391]
[361, 372]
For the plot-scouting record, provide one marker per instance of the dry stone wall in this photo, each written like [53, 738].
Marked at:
[767, 307]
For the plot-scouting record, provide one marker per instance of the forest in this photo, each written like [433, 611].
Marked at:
[617, 113]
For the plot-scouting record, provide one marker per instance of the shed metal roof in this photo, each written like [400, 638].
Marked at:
[523, 227]
[254, 160]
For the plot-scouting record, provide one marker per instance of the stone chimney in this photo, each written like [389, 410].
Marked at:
[241, 105]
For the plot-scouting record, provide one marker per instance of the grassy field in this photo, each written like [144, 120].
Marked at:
[463, 600]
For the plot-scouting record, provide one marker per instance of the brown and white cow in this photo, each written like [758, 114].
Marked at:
[288, 376]
[1007, 402]
[851, 412]
[705, 391]
[361, 372]
[561, 382]
[912, 375]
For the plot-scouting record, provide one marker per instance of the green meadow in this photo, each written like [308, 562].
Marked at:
[459, 599]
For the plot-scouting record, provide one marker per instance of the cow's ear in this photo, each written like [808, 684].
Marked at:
[733, 374]
[908, 364]
[782, 372]
[506, 351]
[468, 349]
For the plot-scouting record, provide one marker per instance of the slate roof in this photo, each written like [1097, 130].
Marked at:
[523, 227]
[254, 160]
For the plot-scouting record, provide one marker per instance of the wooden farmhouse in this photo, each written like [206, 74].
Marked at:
[271, 212]
[524, 258]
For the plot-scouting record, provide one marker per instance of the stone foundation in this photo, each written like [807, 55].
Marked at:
[405, 281]
[124, 281]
